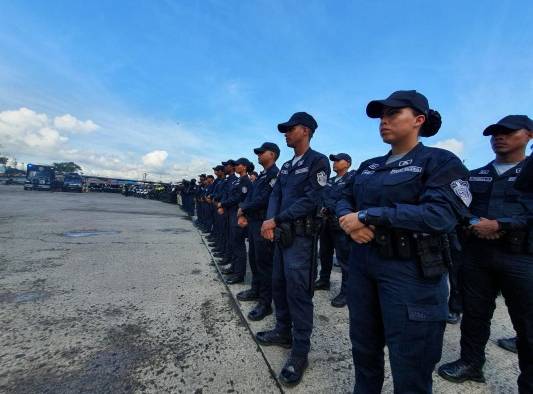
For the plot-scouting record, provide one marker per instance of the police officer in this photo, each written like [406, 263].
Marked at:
[231, 178]
[398, 207]
[499, 255]
[252, 213]
[237, 235]
[332, 238]
[292, 210]
[218, 220]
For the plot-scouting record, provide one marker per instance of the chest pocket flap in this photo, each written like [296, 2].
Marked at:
[402, 178]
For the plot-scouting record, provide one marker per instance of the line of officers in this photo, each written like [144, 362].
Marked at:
[402, 226]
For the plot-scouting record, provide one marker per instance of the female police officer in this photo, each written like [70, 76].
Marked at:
[398, 209]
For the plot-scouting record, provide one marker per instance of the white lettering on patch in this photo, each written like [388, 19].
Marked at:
[367, 172]
[406, 169]
[511, 179]
[484, 172]
[373, 166]
[301, 170]
[272, 182]
[284, 171]
[480, 179]
[462, 190]
[404, 163]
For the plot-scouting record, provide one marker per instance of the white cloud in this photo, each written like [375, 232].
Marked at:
[25, 130]
[452, 144]
[70, 123]
[155, 159]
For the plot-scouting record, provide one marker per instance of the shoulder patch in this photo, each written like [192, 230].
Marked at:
[462, 190]
[322, 178]
[244, 190]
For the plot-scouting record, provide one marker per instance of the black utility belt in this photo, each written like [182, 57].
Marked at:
[513, 242]
[431, 251]
[305, 227]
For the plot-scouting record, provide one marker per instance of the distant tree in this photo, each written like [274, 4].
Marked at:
[67, 167]
[3, 160]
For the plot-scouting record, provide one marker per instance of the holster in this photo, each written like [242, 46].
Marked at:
[283, 235]
[383, 240]
[434, 254]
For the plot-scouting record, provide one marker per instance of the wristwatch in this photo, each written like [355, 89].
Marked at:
[362, 216]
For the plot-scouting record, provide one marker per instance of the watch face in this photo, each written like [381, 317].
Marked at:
[474, 221]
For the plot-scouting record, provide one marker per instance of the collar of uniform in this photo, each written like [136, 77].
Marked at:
[408, 156]
[301, 160]
[510, 172]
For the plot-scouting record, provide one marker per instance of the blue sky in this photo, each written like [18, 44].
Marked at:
[173, 87]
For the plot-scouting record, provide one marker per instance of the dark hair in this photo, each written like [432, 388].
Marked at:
[211, 176]
[250, 168]
[432, 123]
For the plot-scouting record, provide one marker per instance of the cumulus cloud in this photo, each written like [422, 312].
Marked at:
[25, 130]
[452, 144]
[70, 123]
[155, 159]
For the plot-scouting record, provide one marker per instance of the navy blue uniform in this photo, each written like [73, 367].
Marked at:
[389, 300]
[296, 195]
[254, 208]
[332, 238]
[504, 265]
[218, 220]
[237, 191]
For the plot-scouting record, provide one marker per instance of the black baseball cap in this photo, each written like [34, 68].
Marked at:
[244, 161]
[270, 146]
[302, 118]
[202, 176]
[341, 156]
[509, 124]
[218, 168]
[399, 99]
[229, 163]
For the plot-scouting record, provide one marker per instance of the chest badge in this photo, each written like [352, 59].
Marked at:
[404, 163]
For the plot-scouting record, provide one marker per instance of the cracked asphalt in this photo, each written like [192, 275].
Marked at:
[105, 294]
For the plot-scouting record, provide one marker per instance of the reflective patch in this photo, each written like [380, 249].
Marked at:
[322, 178]
[244, 190]
[284, 171]
[300, 163]
[367, 172]
[518, 170]
[462, 190]
[404, 163]
[480, 179]
[285, 165]
[373, 166]
[484, 172]
[301, 170]
[272, 182]
[406, 169]
[511, 179]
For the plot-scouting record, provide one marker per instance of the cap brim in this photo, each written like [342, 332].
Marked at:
[498, 128]
[284, 127]
[259, 150]
[374, 109]
[333, 157]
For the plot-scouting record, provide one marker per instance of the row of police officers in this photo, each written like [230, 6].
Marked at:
[396, 225]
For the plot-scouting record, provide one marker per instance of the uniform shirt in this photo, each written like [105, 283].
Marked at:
[257, 198]
[332, 192]
[426, 191]
[495, 197]
[524, 181]
[217, 190]
[226, 186]
[297, 190]
[237, 191]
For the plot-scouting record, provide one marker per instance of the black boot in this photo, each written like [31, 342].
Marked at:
[322, 284]
[453, 318]
[508, 344]
[273, 337]
[260, 312]
[248, 295]
[293, 370]
[459, 371]
[339, 301]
